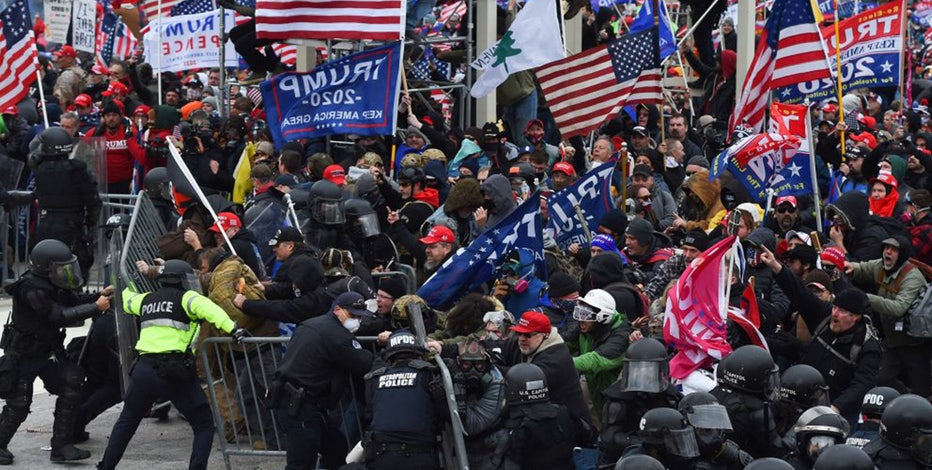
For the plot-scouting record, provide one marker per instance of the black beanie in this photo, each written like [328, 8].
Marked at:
[853, 300]
[641, 230]
[111, 107]
[697, 239]
[615, 220]
[393, 286]
[562, 284]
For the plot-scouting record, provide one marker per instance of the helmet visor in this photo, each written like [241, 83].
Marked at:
[368, 225]
[922, 451]
[681, 442]
[191, 281]
[66, 274]
[645, 376]
[331, 212]
[585, 312]
[709, 417]
[817, 444]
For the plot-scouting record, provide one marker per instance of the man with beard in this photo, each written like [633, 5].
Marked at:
[678, 130]
[785, 215]
[439, 244]
[853, 179]
[645, 248]
[898, 283]
[117, 132]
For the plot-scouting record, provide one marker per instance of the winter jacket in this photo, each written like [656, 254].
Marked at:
[890, 302]
[222, 289]
[498, 188]
[864, 239]
[599, 355]
[708, 193]
[921, 233]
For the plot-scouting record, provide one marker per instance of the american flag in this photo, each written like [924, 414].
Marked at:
[790, 51]
[114, 40]
[193, 7]
[150, 8]
[18, 57]
[379, 20]
[457, 7]
[585, 89]
[421, 70]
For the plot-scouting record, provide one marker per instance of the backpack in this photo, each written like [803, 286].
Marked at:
[918, 318]
[643, 307]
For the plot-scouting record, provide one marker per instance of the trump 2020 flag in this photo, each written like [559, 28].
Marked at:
[471, 266]
[645, 20]
[533, 39]
[694, 322]
[762, 161]
[592, 194]
[352, 95]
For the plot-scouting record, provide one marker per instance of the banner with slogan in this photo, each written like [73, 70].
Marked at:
[871, 55]
[592, 194]
[57, 19]
[84, 21]
[762, 161]
[846, 8]
[922, 12]
[189, 41]
[356, 94]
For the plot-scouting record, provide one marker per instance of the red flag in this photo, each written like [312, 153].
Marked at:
[788, 119]
[378, 20]
[790, 51]
[749, 304]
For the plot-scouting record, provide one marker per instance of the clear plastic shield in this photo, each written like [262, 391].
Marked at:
[264, 220]
[93, 152]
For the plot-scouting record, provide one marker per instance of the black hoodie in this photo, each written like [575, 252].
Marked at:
[864, 238]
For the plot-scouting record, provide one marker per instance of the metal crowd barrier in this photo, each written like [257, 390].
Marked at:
[236, 382]
[410, 286]
[14, 242]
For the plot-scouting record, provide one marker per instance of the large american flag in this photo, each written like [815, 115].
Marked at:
[379, 20]
[150, 8]
[790, 51]
[18, 56]
[193, 7]
[114, 39]
[585, 89]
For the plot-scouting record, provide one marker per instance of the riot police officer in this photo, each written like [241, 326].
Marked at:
[875, 401]
[843, 457]
[666, 436]
[815, 436]
[644, 385]
[327, 212]
[540, 434]
[45, 301]
[801, 387]
[158, 187]
[362, 225]
[69, 204]
[746, 387]
[406, 404]
[905, 440]
[639, 462]
[711, 422]
[168, 328]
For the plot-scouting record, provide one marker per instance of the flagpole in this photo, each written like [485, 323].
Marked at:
[908, 61]
[812, 167]
[158, 54]
[404, 78]
[841, 135]
[35, 60]
[222, 52]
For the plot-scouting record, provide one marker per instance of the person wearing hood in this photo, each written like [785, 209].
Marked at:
[469, 149]
[719, 83]
[518, 286]
[609, 272]
[885, 199]
[919, 203]
[898, 283]
[645, 248]
[499, 202]
[303, 296]
[853, 230]
[458, 211]
[701, 206]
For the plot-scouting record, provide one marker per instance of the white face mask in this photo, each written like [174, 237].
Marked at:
[351, 324]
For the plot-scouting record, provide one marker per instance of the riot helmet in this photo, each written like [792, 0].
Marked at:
[907, 424]
[325, 203]
[804, 385]
[597, 306]
[473, 362]
[645, 367]
[178, 273]
[876, 400]
[412, 175]
[53, 260]
[749, 369]
[525, 383]
[403, 345]
[708, 417]
[639, 462]
[157, 183]
[821, 432]
[843, 457]
[363, 221]
[667, 427]
[768, 463]
[55, 142]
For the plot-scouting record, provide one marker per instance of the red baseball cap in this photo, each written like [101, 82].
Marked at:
[885, 178]
[226, 220]
[116, 88]
[98, 69]
[791, 200]
[868, 121]
[335, 174]
[66, 51]
[532, 322]
[83, 100]
[865, 138]
[12, 110]
[834, 256]
[830, 108]
[565, 168]
[437, 234]
[142, 109]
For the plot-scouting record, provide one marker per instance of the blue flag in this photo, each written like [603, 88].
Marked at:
[645, 20]
[471, 266]
[355, 94]
[592, 193]
[766, 168]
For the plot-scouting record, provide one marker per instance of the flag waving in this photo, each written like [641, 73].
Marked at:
[762, 161]
[790, 51]
[377, 20]
[533, 39]
[586, 89]
[18, 59]
[694, 322]
[592, 194]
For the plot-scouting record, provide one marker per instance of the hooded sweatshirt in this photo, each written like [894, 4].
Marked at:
[708, 193]
[498, 188]
[864, 238]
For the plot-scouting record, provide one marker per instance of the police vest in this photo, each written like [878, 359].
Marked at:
[549, 436]
[164, 308]
[58, 186]
[402, 409]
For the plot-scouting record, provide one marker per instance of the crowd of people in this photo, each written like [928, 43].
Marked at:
[542, 363]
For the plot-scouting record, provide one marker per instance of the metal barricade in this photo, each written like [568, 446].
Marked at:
[236, 381]
[409, 283]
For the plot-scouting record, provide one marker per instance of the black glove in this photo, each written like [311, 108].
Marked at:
[239, 334]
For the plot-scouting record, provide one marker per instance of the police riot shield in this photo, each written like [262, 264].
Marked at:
[93, 152]
[264, 220]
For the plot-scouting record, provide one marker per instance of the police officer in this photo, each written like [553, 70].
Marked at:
[875, 401]
[158, 187]
[644, 385]
[801, 387]
[666, 436]
[905, 441]
[843, 457]
[479, 390]
[45, 301]
[746, 382]
[639, 462]
[69, 204]
[711, 422]
[406, 406]
[322, 357]
[815, 436]
[168, 327]
[540, 434]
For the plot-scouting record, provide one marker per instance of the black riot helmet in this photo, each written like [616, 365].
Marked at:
[820, 433]
[768, 463]
[749, 369]
[907, 424]
[403, 345]
[412, 175]
[876, 400]
[639, 462]
[804, 385]
[53, 260]
[363, 221]
[55, 142]
[645, 367]
[526, 383]
[157, 183]
[325, 203]
[178, 273]
[843, 457]
[710, 418]
[667, 427]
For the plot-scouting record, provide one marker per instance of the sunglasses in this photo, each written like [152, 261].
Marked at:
[784, 210]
